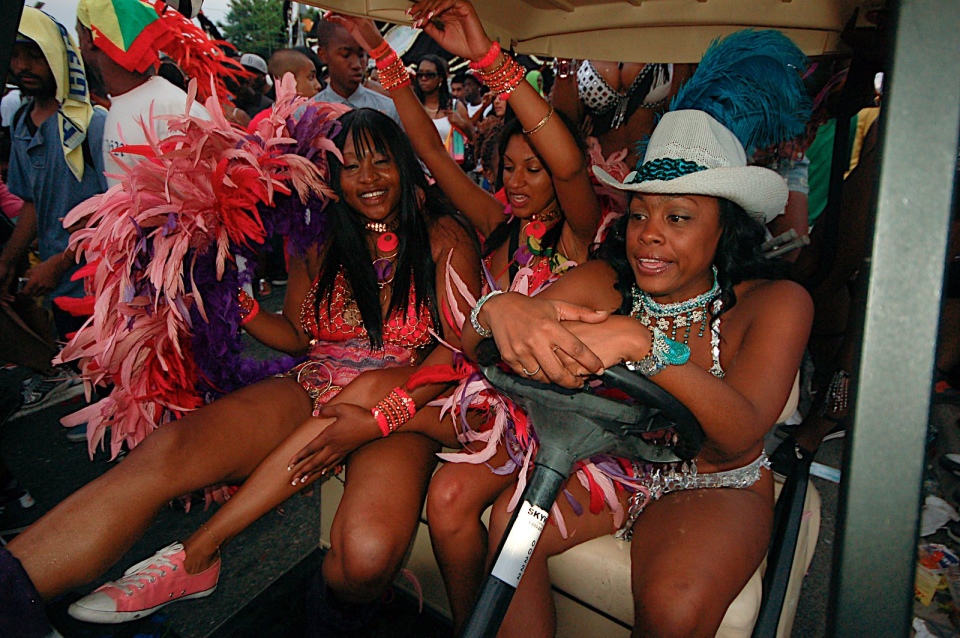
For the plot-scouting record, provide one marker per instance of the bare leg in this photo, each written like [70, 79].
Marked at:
[692, 554]
[532, 612]
[386, 483]
[270, 485]
[458, 495]
[87, 533]
[267, 487]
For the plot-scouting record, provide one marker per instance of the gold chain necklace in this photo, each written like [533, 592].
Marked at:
[547, 216]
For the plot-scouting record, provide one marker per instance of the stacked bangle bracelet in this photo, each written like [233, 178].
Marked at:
[393, 75]
[248, 307]
[394, 410]
[502, 78]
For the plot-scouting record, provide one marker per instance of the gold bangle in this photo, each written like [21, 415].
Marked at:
[541, 124]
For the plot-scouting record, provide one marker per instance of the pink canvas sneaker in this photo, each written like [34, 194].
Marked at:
[145, 588]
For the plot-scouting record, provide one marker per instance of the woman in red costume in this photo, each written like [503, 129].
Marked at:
[547, 224]
[365, 307]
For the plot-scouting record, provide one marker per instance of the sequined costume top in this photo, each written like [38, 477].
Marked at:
[340, 319]
[610, 109]
[340, 346]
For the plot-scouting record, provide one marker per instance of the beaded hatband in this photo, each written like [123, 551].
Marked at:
[665, 169]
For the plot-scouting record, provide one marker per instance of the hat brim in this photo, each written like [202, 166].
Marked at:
[759, 191]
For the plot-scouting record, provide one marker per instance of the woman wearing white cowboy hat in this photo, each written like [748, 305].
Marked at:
[684, 296]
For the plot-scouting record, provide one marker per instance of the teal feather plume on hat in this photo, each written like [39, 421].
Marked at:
[751, 83]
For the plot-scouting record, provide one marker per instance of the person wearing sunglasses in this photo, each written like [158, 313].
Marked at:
[449, 115]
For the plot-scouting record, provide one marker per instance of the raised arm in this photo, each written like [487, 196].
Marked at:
[455, 26]
[482, 209]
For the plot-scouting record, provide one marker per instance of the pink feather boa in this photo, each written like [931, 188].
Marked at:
[193, 192]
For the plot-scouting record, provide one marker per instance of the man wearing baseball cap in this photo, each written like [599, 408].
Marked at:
[250, 96]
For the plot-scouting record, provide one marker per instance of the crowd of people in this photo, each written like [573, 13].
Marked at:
[582, 214]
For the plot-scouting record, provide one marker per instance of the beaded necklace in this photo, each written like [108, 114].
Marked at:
[683, 314]
[386, 244]
[532, 235]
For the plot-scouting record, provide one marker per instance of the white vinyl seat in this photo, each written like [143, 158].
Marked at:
[591, 582]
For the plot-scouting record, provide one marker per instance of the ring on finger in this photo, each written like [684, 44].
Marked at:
[528, 372]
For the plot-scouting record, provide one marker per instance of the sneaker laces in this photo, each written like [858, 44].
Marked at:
[38, 386]
[147, 571]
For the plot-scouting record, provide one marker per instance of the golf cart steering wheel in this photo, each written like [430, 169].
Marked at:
[620, 424]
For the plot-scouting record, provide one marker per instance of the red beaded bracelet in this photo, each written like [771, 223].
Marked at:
[249, 308]
[488, 58]
[386, 60]
[382, 49]
[393, 411]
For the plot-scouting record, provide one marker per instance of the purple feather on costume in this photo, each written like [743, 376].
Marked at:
[217, 345]
[303, 224]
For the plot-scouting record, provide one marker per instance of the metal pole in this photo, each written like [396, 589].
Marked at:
[883, 467]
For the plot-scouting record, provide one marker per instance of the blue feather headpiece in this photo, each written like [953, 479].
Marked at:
[747, 93]
[751, 82]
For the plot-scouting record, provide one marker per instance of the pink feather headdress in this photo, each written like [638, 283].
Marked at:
[196, 191]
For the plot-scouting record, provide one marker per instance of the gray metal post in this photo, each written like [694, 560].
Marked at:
[872, 588]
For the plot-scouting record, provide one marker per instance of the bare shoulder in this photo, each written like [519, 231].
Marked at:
[449, 233]
[780, 297]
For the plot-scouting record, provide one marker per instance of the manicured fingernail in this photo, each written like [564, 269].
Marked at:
[290, 467]
[293, 482]
[429, 15]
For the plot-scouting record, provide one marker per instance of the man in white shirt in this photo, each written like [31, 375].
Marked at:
[129, 73]
[346, 61]
[8, 106]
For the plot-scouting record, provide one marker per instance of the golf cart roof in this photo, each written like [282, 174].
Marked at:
[635, 30]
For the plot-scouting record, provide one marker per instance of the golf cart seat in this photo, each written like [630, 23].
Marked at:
[591, 582]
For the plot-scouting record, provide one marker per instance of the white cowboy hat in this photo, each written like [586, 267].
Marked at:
[691, 153]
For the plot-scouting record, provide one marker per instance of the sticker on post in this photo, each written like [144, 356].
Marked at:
[520, 544]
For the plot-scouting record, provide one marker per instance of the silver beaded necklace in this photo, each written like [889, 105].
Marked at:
[684, 314]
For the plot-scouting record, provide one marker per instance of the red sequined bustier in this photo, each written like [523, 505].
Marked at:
[340, 320]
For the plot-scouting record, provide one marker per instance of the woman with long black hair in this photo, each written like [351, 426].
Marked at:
[364, 306]
[545, 224]
[448, 114]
